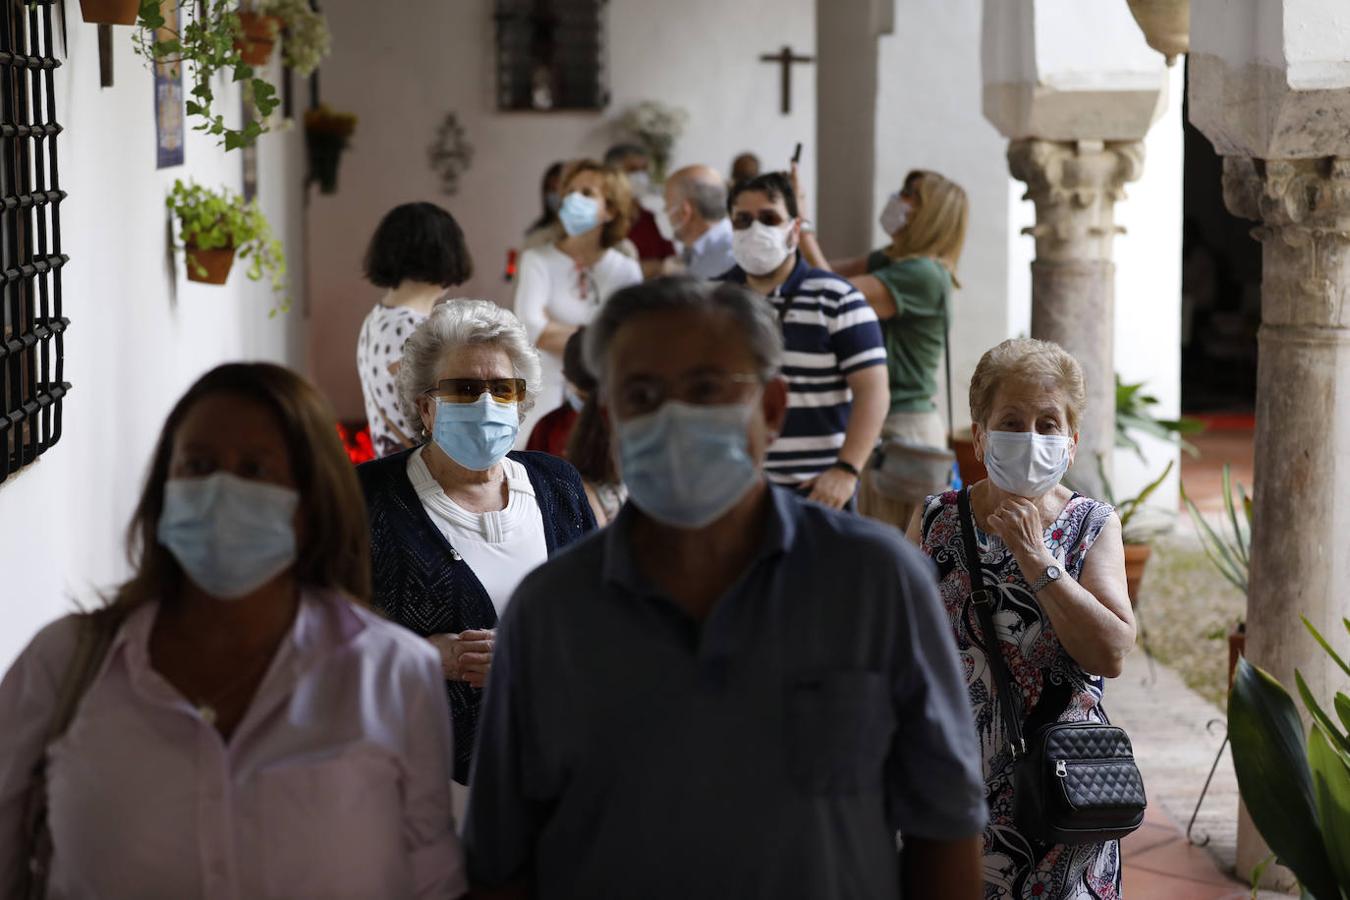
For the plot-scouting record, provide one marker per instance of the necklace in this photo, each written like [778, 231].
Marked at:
[209, 702]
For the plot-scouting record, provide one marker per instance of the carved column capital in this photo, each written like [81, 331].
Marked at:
[1303, 206]
[1075, 185]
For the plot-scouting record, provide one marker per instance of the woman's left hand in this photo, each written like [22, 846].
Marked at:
[1017, 522]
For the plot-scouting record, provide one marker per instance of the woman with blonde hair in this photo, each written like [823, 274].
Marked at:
[561, 284]
[234, 722]
[909, 284]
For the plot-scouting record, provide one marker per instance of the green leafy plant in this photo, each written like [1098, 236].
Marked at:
[306, 40]
[1139, 524]
[1134, 412]
[1230, 551]
[220, 220]
[207, 38]
[1297, 791]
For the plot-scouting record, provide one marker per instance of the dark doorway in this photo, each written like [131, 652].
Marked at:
[1220, 289]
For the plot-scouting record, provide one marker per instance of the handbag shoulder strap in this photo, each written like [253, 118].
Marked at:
[983, 600]
[947, 365]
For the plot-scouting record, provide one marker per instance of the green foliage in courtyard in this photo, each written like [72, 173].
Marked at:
[1230, 551]
[211, 220]
[1297, 791]
[1134, 412]
[207, 38]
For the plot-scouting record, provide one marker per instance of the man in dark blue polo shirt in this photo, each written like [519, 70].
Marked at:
[835, 364]
[729, 692]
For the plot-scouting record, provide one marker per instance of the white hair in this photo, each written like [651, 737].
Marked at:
[453, 325]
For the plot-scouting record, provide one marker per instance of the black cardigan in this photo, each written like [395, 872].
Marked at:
[421, 583]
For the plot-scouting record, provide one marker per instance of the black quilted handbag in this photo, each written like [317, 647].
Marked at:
[1075, 782]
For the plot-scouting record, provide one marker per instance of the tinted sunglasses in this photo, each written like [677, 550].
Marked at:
[468, 390]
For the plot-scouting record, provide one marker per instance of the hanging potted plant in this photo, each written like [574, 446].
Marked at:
[302, 30]
[206, 36]
[216, 227]
[110, 12]
[326, 136]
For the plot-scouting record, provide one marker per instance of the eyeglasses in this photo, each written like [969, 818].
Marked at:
[640, 396]
[743, 220]
[468, 390]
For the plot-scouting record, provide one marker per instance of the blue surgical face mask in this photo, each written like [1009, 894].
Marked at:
[231, 535]
[476, 435]
[687, 465]
[579, 213]
[1026, 463]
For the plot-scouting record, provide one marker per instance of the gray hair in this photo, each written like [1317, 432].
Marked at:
[708, 198]
[455, 324]
[751, 313]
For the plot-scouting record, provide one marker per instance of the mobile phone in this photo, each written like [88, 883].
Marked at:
[797, 153]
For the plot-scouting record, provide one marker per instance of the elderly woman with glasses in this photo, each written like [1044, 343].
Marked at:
[459, 520]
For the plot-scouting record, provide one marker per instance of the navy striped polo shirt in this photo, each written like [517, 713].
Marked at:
[829, 332]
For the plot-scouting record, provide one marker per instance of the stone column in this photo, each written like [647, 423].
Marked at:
[1075, 110]
[1075, 186]
[1300, 562]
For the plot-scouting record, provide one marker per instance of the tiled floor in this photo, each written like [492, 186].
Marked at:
[1161, 865]
[1226, 440]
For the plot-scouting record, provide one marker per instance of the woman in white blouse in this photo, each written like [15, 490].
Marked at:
[458, 521]
[560, 285]
[251, 730]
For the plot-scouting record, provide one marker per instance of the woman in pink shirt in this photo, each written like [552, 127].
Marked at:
[252, 730]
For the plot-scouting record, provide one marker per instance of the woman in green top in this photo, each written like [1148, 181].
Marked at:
[909, 284]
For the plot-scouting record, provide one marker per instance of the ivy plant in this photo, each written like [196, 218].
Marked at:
[220, 220]
[207, 38]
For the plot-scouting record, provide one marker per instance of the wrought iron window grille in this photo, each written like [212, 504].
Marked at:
[550, 55]
[32, 327]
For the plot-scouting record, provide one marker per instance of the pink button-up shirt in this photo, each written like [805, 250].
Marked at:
[335, 783]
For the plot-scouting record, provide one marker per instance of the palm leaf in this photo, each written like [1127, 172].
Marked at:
[1271, 760]
[1317, 635]
[1331, 788]
[1232, 516]
[1215, 547]
[1318, 714]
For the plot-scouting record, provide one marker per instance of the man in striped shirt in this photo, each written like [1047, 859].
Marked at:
[835, 362]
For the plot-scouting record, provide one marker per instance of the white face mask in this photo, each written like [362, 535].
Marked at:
[1025, 463]
[895, 215]
[666, 225]
[640, 182]
[761, 248]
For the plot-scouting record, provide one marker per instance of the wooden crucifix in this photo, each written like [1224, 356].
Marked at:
[786, 58]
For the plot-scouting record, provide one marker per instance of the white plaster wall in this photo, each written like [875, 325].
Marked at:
[427, 57]
[1148, 294]
[139, 333]
[937, 42]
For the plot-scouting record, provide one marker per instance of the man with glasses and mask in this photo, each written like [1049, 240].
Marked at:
[728, 692]
[836, 358]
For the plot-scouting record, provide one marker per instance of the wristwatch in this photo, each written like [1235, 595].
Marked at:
[808, 227]
[1052, 573]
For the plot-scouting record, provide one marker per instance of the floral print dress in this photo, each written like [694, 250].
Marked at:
[1051, 687]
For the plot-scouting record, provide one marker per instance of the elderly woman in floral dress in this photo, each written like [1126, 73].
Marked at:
[1063, 615]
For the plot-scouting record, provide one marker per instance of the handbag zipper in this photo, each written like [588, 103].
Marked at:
[1061, 768]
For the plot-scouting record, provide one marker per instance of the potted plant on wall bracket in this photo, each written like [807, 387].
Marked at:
[302, 30]
[110, 12]
[326, 136]
[206, 40]
[216, 227]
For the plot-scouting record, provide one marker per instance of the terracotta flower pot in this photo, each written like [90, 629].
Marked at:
[972, 470]
[1136, 560]
[260, 37]
[209, 266]
[110, 12]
